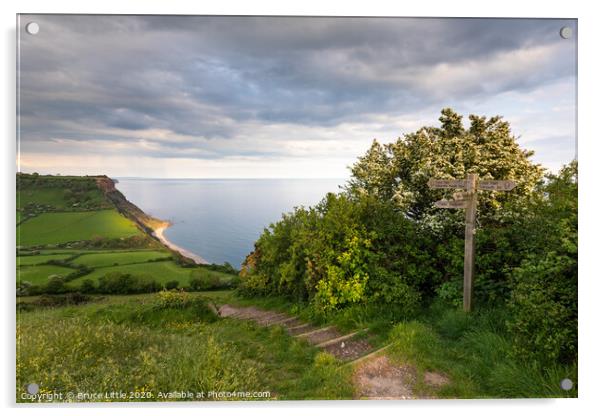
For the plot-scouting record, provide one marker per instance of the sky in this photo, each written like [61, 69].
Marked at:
[260, 97]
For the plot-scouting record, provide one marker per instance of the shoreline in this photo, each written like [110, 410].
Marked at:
[150, 225]
[158, 233]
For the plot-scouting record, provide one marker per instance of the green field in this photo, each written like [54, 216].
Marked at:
[50, 196]
[119, 258]
[161, 271]
[39, 274]
[63, 227]
[39, 259]
[141, 344]
[56, 197]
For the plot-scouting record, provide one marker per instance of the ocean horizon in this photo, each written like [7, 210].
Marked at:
[219, 219]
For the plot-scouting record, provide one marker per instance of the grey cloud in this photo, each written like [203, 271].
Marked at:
[202, 75]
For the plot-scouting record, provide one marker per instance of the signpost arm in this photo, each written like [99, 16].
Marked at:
[469, 250]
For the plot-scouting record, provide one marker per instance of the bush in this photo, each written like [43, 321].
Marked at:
[55, 285]
[75, 298]
[172, 284]
[544, 287]
[544, 304]
[201, 280]
[199, 306]
[125, 284]
[173, 299]
[87, 286]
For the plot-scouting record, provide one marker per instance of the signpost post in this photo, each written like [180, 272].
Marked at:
[468, 200]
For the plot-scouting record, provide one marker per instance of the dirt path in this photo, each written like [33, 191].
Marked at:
[375, 377]
[345, 347]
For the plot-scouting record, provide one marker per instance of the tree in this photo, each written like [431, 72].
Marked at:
[399, 171]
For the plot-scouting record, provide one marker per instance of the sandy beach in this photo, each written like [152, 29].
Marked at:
[158, 232]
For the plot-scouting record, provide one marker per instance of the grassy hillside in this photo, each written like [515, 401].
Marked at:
[148, 344]
[63, 227]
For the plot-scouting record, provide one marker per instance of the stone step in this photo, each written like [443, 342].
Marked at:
[368, 355]
[340, 339]
[300, 329]
[270, 318]
[285, 320]
[349, 350]
[315, 331]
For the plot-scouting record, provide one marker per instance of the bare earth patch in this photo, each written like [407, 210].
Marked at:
[349, 350]
[378, 378]
[435, 379]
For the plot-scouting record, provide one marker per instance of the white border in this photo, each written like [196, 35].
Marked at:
[589, 149]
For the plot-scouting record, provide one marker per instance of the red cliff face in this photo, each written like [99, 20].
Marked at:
[106, 184]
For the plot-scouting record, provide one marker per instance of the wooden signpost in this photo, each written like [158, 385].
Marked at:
[468, 200]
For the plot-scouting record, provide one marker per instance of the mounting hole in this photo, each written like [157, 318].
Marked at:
[566, 384]
[32, 388]
[32, 28]
[566, 32]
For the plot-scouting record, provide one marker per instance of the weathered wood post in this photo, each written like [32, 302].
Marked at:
[469, 233]
[468, 201]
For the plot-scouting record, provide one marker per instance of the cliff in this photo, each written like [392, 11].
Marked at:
[131, 211]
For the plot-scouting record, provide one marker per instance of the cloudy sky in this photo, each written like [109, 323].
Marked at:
[160, 96]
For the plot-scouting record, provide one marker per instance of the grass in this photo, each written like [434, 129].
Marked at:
[39, 259]
[475, 352]
[141, 345]
[39, 274]
[119, 258]
[54, 197]
[161, 271]
[63, 227]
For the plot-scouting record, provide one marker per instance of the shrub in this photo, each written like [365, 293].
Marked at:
[201, 280]
[544, 287]
[74, 298]
[88, 286]
[172, 284]
[173, 299]
[125, 283]
[199, 306]
[23, 288]
[544, 305]
[55, 285]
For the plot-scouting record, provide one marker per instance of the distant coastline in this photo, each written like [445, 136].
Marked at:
[149, 224]
[158, 233]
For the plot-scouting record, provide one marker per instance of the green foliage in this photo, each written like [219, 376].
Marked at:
[88, 286]
[346, 280]
[172, 284]
[544, 286]
[382, 244]
[474, 352]
[203, 279]
[125, 283]
[342, 252]
[55, 285]
[399, 171]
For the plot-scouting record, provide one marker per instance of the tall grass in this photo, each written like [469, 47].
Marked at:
[474, 352]
[157, 343]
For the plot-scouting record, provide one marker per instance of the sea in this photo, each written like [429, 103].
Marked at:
[219, 220]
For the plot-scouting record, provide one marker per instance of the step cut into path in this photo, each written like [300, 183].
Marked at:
[346, 347]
